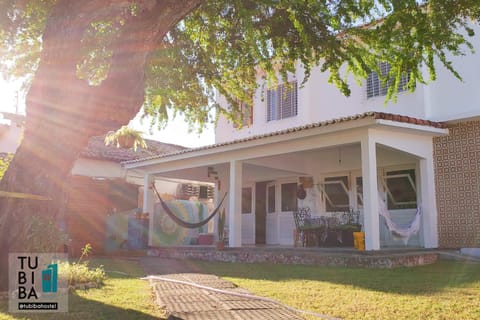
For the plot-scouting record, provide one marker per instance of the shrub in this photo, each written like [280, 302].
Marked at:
[79, 273]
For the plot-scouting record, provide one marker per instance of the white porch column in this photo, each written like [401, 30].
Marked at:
[428, 203]
[235, 203]
[148, 201]
[370, 193]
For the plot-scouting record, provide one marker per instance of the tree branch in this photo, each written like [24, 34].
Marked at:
[140, 36]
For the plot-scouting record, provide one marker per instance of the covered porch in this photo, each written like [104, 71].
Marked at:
[344, 166]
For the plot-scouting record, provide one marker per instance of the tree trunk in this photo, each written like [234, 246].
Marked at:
[63, 112]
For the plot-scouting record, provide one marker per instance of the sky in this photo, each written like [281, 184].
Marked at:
[176, 132]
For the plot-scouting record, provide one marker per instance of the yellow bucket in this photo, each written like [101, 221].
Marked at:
[359, 241]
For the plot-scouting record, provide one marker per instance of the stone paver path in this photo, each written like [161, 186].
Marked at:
[183, 301]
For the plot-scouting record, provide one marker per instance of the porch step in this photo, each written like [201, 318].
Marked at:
[307, 256]
[458, 255]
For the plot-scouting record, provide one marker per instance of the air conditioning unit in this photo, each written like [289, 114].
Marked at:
[187, 190]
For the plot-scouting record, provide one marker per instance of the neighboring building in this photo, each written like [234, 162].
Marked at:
[11, 129]
[103, 195]
[423, 151]
[99, 187]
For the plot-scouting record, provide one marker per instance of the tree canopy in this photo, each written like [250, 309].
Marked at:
[224, 45]
[94, 63]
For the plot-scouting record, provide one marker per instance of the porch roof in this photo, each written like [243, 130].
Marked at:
[375, 117]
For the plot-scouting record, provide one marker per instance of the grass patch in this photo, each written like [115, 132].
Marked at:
[445, 290]
[123, 296]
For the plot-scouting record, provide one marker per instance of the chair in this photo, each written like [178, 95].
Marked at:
[305, 230]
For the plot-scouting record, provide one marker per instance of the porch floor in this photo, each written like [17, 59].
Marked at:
[330, 256]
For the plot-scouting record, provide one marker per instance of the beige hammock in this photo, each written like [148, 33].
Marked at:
[402, 232]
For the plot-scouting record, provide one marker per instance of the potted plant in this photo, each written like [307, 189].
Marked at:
[126, 137]
[221, 230]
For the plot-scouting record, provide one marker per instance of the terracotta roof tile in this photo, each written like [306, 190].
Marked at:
[96, 149]
[406, 119]
[372, 115]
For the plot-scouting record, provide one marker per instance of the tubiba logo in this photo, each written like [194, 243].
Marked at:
[26, 278]
[34, 283]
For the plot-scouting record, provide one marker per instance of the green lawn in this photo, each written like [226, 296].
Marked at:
[445, 290]
[122, 297]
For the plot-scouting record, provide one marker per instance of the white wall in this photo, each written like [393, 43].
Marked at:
[97, 168]
[445, 99]
[323, 101]
[451, 99]
[320, 101]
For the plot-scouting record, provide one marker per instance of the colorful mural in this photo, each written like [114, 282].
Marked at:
[116, 231]
[167, 232]
[129, 229]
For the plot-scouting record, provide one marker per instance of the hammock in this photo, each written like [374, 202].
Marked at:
[404, 233]
[179, 221]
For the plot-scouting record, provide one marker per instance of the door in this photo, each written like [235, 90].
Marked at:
[272, 216]
[260, 212]
[248, 218]
[288, 204]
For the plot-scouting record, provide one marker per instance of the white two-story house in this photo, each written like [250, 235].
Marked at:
[420, 157]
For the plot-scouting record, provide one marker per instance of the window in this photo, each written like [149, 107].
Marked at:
[247, 200]
[401, 189]
[282, 101]
[271, 199]
[289, 197]
[246, 114]
[206, 192]
[336, 194]
[375, 87]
